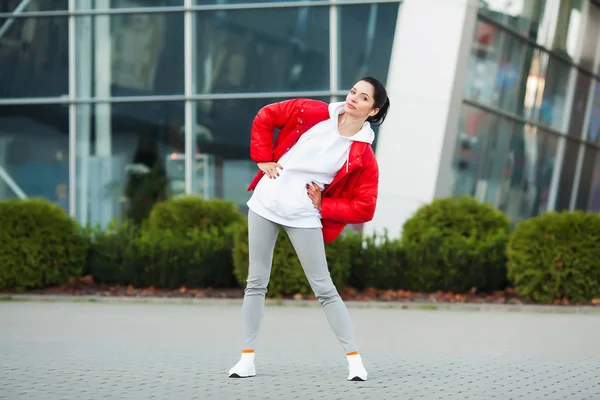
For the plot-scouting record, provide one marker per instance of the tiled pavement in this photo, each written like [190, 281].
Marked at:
[69, 350]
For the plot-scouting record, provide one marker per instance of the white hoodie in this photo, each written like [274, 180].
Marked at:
[316, 157]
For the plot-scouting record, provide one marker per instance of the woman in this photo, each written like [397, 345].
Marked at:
[319, 175]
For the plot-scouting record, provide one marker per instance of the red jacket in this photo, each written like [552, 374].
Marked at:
[352, 196]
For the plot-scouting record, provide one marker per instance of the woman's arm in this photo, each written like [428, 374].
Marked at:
[268, 118]
[360, 208]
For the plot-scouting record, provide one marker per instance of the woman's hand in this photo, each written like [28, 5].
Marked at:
[270, 169]
[314, 192]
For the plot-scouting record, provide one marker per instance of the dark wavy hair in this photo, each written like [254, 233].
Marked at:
[381, 100]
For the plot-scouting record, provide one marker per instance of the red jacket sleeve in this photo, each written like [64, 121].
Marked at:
[268, 118]
[360, 208]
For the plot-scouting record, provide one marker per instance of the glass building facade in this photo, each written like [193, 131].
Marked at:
[529, 128]
[107, 105]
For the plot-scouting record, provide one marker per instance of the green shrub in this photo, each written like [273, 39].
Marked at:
[142, 257]
[556, 256]
[377, 262]
[40, 245]
[106, 256]
[287, 275]
[456, 244]
[169, 260]
[184, 214]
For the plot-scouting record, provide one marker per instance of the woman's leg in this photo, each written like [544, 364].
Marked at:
[310, 248]
[262, 235]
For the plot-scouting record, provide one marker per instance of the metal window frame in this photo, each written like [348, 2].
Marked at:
[189, 97]
[72, 113]
[191, 7]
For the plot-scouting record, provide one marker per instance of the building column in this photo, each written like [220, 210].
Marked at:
[104, 168]
[82, 71]
[425, 85]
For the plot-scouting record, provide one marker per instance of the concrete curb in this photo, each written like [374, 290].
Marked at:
[430, 306]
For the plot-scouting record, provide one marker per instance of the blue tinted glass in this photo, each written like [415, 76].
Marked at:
[263, 50]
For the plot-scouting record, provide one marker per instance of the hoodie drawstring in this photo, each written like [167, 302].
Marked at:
[348, 154]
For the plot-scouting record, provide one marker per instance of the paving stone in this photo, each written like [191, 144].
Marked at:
[143, 351]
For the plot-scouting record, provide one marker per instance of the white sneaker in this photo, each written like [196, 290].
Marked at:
[357, 371]
[244, 368]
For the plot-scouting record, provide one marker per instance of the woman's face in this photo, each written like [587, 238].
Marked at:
[360, 101]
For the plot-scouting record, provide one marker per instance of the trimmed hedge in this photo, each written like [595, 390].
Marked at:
[287, 275]
[185, 241]
[556, 256]
[456, 244]
[183, 215]
[40, 245]
[377, 262]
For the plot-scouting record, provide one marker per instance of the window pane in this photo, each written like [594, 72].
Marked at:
[593, 185]
[503, 71]
[144, 55]
[580, 101]
[124, 153]
[140, 3]
[34, 152]
[587, 178]
[555, 83]
[567, 174]
[468, 158]
[523, 16]
[9, 6]
[503, 162]
[263, 50]
[365, 39]
[223, 136]
[567, 28]
[593, 134]
[553, 24]
[591, 37]
[540, 157]
[34, 57]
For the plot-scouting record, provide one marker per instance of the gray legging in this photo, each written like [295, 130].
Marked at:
[309, 245]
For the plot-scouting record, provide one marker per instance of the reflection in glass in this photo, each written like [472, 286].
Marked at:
[128, 157]
[593, 134]
[568, 25]
[365, 40]
[508, 73]
[580, 102]
[524, 16]
[567, 174]
[553, 108]
[144, 3]
[263, 50]
[503, 70]
[12, 6]
[588, 196]
[34, 57]
[503, 162]
[34, 152]
[144, 55]
[588, 175]
[554, 24]
[590, 37]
